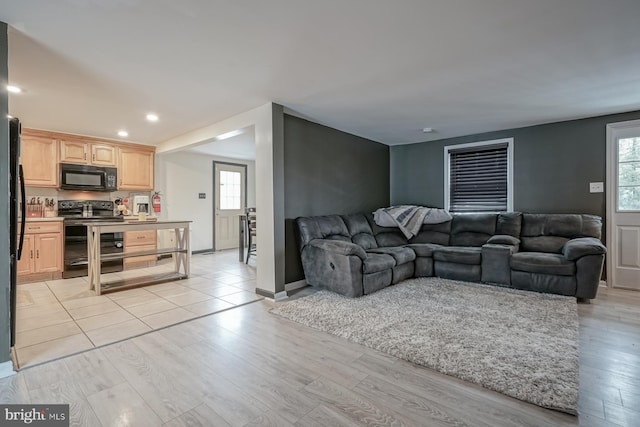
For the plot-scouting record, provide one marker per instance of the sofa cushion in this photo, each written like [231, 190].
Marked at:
[400, 255]
[433, 233]
[503, 239]
[458, 255]
[472, 229]
[386, 236]
[550, 244]
[545, 263]
[332, 225]
[360, 230]
[377, 262]
[423, 249]
[509, 223]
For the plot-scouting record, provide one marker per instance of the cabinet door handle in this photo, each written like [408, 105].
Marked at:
[38, 253]
[31, 253]
[94, 157]
[85, 156]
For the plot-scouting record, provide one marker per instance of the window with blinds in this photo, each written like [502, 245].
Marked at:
[479, 177]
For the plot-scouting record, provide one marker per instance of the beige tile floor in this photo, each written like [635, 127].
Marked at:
[62, 317]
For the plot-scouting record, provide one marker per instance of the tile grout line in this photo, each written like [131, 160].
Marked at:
[137, 335]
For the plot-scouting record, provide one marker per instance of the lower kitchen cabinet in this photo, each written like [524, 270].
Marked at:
[41, 252]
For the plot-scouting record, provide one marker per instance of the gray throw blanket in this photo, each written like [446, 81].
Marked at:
[408, 218]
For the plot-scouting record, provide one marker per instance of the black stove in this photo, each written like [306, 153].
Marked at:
[77, 212]
[89, 209]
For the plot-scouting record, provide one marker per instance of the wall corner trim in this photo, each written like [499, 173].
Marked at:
[295, 285]
[6, 369]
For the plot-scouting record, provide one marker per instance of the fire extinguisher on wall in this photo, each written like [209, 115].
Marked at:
[156, 202]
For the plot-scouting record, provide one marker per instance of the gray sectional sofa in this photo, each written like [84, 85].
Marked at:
[555, 253]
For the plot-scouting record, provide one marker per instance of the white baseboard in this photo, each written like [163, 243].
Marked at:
[280, 296]
[295, 285]
[6, 369]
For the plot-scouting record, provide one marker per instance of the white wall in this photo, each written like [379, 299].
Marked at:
[180, 176]
[270, 263]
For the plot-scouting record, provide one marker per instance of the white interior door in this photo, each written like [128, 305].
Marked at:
[229, 204]
[623, 205]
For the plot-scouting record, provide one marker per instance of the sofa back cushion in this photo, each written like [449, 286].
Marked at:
[549, 232]
[433, 233]
[330, 227]
[509, 223]
[386, 236]
[360, 231]
[472, 229]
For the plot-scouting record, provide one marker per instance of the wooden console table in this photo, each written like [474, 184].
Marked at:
[181, 253]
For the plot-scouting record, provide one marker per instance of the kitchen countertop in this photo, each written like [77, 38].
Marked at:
[40, 219]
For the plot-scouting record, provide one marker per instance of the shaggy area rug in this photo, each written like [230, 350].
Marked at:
[519, 343]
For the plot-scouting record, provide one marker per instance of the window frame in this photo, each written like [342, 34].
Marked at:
[447, 165]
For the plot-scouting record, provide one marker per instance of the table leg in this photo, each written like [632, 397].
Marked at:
[241, 242]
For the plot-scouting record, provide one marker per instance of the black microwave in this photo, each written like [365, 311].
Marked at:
[88, 178]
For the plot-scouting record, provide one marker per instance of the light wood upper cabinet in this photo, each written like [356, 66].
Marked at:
[39, 158]
[42, 151]
[73, 152]
[135, 168]
[103, 155]
[87, 153]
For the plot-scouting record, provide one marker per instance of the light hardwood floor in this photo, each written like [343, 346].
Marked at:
[248, 367]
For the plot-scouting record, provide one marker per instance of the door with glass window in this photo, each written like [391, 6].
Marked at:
[623, 153]
[229, 185]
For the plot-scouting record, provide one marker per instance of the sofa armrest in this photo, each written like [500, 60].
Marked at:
[339, 247]
[504, 239]
[496, 263]
[577, 248]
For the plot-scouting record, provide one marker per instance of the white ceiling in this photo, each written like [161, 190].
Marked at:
[376, 68]
[241, 146]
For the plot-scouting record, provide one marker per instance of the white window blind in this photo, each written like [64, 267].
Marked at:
[479, 178]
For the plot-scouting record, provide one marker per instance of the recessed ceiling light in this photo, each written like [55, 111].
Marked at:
[13, 89]
[152, 117]
[123, 133]
[427, 130]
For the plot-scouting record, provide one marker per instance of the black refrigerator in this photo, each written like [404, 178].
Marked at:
[17, 206]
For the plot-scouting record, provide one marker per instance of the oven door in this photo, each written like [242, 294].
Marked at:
[75, 251]
[80, 177]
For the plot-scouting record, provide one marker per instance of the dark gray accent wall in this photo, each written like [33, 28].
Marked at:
[5, 283]
[327, 172]
[553, 165]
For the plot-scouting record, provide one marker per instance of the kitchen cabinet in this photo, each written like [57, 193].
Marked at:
[82, 152]
[39, 159]
[42, 151]
[135, 168]
[135, 241]
[41, 251]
